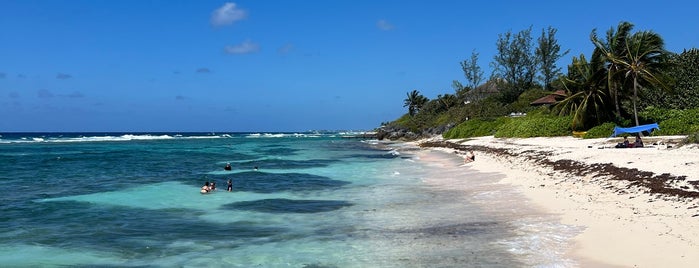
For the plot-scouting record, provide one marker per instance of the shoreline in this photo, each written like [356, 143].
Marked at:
[637, 207]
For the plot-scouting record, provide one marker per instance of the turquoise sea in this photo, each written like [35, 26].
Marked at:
[317, 200]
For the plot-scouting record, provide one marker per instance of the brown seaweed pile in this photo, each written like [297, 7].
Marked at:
[660, 185]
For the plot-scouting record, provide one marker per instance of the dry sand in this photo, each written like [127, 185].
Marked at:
[632, 216]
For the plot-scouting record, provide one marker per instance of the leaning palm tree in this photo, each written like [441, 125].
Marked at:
[587, 99]
[613, 47]
[644, 63]
[447, 101]
[415, 101]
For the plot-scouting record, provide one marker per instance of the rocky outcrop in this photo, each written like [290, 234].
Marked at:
[404, 134]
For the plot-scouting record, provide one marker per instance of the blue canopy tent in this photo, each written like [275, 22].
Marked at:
[636, 129]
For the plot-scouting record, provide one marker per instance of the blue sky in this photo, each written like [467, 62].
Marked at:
[261, 65]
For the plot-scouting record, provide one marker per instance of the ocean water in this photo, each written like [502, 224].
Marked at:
[317, 200]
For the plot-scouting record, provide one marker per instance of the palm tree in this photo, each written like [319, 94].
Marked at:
[644, 63]
[447, 101]
[587, 101]
[613, 47]
[415, 101]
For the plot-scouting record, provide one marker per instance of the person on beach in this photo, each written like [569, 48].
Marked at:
[470, 157]
[638, 143]
[228, 166]
[230, 185]
[624, 144]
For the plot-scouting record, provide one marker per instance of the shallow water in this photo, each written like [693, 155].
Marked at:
[316, 201]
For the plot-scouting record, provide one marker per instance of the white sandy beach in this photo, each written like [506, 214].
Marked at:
[623, 225]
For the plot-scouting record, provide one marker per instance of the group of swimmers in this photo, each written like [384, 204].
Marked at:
[228, 167]
[210, 187]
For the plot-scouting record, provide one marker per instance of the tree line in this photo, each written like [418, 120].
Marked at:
[626, 73]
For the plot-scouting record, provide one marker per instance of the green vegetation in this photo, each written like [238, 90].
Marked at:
[673, 121]
[601, 131]
[535, 126]
[693, 138]
[476, 128]
[548, 52]
[627, 76]
[684, 71]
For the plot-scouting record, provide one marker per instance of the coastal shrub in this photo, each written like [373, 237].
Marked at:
[443, 119]
[488, 107]
[601, 131]
[458, 114]
[678, 126]
[535, 126]
[523, 103]
[655, 114]
[541, 111]
[406, 122]
[684, 69]
[453, 116]
[693, 138]
[672, 121]
[475, 128]
[403, 120]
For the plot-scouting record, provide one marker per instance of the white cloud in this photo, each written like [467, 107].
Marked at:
[227, 14]
[384, 25]
[246, 47]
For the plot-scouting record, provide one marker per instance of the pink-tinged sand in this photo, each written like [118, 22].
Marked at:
[625, 229]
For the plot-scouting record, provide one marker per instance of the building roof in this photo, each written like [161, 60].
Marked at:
[552, 98]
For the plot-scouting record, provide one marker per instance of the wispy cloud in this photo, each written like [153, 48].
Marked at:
[75, 94]
[384, 25]
[63, 76]
[2, 75]
[21, 76]
[14, 95]
[180, 97]
[246, 47]
[227, 14]
[44, 94]
[286, 49]
[203, 70]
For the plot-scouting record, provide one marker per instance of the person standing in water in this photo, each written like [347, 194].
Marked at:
[206, 188]
[230, 185]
